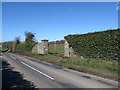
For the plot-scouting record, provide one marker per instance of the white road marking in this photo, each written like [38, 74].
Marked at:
[4, 69]
[38, 71]
[13, 57]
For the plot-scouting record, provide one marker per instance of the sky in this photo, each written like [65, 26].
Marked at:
[54, 20]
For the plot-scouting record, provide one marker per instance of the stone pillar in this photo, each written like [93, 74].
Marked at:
[44, 44]
[68, 51]
[41, 48]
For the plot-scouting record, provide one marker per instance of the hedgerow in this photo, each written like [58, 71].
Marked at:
[103, 44]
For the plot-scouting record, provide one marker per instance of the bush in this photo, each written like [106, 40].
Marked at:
[21, 47]
[102, 44]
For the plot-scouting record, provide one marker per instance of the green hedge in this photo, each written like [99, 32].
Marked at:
[103, 44]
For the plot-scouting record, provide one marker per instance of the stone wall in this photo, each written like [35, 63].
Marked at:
[68, 51]
[41, 48]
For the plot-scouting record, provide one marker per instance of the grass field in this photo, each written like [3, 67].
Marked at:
[104, 68]
[56, 49]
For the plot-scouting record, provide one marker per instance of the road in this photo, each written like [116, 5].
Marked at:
[46, 75]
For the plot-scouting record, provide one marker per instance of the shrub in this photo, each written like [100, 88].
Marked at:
[102, 44]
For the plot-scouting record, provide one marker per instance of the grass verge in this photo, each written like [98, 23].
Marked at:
[105, 68]
[3, 49]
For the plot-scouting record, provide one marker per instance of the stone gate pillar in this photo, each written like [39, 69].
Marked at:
[41, 48]
[44, 44]
[68, 51]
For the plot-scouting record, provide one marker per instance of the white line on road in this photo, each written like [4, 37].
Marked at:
[38, 71]
[13, 57]
[4, 69]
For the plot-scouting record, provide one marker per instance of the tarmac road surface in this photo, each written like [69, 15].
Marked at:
[46, 75]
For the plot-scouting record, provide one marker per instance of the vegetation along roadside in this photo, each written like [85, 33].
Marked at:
[105, 68]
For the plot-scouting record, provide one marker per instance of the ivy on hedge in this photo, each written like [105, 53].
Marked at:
[103, 44]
